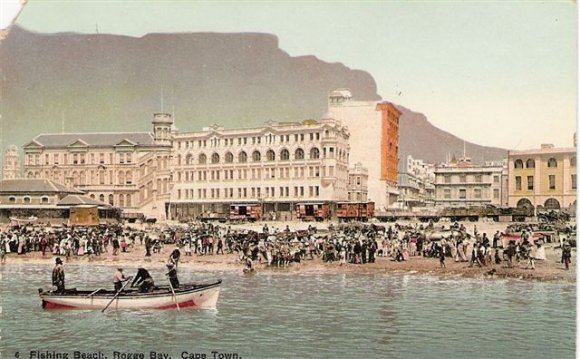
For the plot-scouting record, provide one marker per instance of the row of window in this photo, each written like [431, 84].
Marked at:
[254, 140]
[552, 163]
[245, 192]
[551, 182]
[28, 199]
[463, 178]
[242, 157]
[462, 193]
[123, 200]
[255, 173]
[79, 158]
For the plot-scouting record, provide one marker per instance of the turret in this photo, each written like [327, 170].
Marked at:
[162, 124]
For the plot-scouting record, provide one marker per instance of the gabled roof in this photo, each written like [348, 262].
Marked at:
[78, 200]
[93, 139]
[28, 186]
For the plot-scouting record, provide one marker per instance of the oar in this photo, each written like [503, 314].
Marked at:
[174, 297]
[116, 294]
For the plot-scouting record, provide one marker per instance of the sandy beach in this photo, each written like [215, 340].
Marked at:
[549, 270]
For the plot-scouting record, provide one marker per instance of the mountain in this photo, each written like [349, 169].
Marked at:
[98, 82]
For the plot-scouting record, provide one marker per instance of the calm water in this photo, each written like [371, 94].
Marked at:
[280, 315]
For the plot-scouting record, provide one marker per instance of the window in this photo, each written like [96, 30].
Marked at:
[271, 155]
[573, 181]
[284, 155]
[229, 157]
[102, 197]
[462, 178]
[477, 193]
[215, 158]
[495, 179]
[518, 183]
[552, 163]
[243, 157]
[256, 156]
[314, 153]
[572, 161]
[518, 164]
[462, 194]
[202, 159]
[552, 181]
[299, 154]
[26, 199]
[478, 178]
[496, 193]
[447, 193]
[530, 183]
[530, 163]
[447, 178]
[12, 199]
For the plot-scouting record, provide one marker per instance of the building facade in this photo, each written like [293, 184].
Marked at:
[358, 178]
[127, 170]
[463, 184]
[11, 166]
[277, 166]
[542, 178]
[374, 142]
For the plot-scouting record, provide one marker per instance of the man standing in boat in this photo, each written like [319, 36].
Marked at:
[118, 279]
[172, 267]
[58, 276]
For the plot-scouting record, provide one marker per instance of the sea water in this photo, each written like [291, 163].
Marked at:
[277, 314]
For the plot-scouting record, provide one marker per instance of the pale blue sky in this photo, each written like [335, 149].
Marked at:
[496, 73]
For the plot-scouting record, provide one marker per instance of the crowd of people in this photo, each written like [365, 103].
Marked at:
[358, 244]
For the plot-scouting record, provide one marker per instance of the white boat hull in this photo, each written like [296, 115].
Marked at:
[202, 297]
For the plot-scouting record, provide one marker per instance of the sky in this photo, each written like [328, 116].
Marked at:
[497, 73]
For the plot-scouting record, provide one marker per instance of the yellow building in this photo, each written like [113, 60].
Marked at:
[542, 178]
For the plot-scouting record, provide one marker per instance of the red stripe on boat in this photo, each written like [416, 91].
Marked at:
[186, 304]
[48, 305]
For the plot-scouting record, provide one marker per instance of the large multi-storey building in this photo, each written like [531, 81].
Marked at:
[374, 141]
[463, 184]
[276, 166]
[11, 166]
[543, 177]
[129, 170]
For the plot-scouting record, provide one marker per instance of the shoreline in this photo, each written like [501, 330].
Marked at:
[544, 272]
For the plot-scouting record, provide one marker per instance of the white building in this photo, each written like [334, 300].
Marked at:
[463, 184]
[11, 166]
[374, 142]
[277, 165]
[358, 177]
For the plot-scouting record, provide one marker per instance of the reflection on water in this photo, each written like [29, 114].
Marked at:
[283, 315]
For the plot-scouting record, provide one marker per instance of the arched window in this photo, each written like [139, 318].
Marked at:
[129, 177]
[243, 157]
[121, 200]
[128, 200]
[271, 155]
[102, 197]
[518, 164]
[44, 199]
[552, 163]
[92, 196]
[202, 159]
[256, 156]
[12, 199]
[552, 203]
[215, 158]
[284, 155]
[189, 159]
[525, 203]
[314, 153]
[229, 157]
[121, 177]
[111, 199]
[26, 199]
[179, 160]
[530, 163]
[573, 161]
[299, 154]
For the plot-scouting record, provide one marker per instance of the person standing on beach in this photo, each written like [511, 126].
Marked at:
[148, 245]
[442, 257]
[566, 253]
